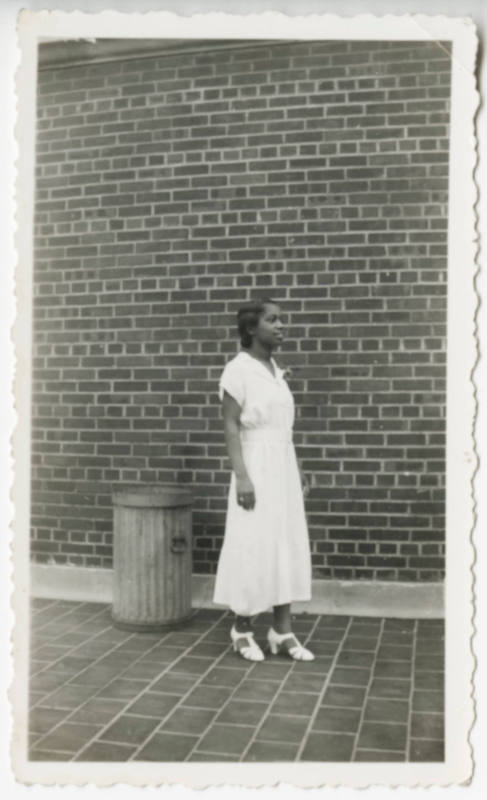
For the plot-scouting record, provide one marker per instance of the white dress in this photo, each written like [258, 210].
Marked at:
[265, 558]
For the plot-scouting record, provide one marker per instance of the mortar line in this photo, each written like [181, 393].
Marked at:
[64, 614]
[245, 676]
[69, 652]
[68, 682]
[411, 692]
[323, 690]
[153, 681]
[267, 713]
[231, 696]
[98, 689]
[367, 690]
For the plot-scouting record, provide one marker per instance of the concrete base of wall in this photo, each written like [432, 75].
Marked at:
[357, 598]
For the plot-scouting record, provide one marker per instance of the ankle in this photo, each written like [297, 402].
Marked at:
[242, 625]
[282, 629]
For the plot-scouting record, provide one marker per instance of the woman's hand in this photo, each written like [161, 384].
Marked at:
[245, 493]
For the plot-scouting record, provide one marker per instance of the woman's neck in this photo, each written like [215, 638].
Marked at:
[260, 352]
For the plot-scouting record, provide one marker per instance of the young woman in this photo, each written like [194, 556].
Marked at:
[265, 559]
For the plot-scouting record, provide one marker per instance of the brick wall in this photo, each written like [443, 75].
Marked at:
[171, 189]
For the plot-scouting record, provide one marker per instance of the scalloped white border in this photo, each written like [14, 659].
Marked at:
[462, 354]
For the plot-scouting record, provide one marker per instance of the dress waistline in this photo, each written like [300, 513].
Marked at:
[266, 435]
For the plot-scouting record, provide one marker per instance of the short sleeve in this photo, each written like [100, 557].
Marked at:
[232, 381]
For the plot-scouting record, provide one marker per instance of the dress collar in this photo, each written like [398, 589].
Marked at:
[256, 364]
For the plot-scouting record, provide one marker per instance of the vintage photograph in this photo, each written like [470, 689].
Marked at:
[241, 287]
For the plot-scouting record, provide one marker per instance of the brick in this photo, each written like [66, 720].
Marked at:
[321, 174]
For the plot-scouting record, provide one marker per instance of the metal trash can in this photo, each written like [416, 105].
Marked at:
[152, 557]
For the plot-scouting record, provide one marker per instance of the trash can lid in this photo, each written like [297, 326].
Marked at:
[152, 496]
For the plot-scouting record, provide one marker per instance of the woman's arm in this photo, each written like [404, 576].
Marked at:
[231, 417]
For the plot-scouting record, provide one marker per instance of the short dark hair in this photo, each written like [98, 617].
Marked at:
[248, 317]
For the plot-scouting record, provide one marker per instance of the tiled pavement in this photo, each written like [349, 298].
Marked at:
[374, 692]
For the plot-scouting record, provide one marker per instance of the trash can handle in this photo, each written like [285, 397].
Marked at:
[179, 544]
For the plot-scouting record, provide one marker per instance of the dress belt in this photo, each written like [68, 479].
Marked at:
[266, 435]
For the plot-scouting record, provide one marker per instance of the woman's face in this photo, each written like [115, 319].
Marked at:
[270, 328]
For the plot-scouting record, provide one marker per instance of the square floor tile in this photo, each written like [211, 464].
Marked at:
[129, 729]
[69, 697]
[381, 710]
[166, 747]
[295, 703]
[192, 666]
[41, 720]
[98, 711]
[390, 689]
[37, 754]
[222, 676]
[242, 712]
[339, 720]
[208, 697]
[355, 658]
[210, 757]
[262, 691]
[227, 739]
[304, 683]
[46, 681]
[364, 643]
[379, 755]
[344, 696]
[106, 751]
[428, 701]
[271, 670]
[431, 662]
[382, 736]
[395, 653]
[427, 726]
[320, 648]
[392, 669]
[429, 681]
[68, 736]
[320, 665]
[121, 689]
[143, 671]
[173, 684]
[282, 728]
[271, 751]
[192, 721]
[153, 704]
[350, 676]
[328, 747]
[426, 750]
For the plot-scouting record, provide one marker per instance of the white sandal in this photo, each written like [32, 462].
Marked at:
[252, 652]
[297, 652]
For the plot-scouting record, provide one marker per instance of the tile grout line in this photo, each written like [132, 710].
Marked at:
[266, 715]
[367, 690]
[104, 655]
[322, 693]
[66, 614]
[255, 668]
[68, 683]
[147, 688]
[411, 692]
[181, 702]
[69, 652]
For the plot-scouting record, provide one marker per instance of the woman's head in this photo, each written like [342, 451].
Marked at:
[260, 317]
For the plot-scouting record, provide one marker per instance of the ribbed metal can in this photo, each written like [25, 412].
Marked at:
[152, 557]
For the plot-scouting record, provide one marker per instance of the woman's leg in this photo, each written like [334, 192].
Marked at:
[282, 618]
[282, 626]
[242, 624]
